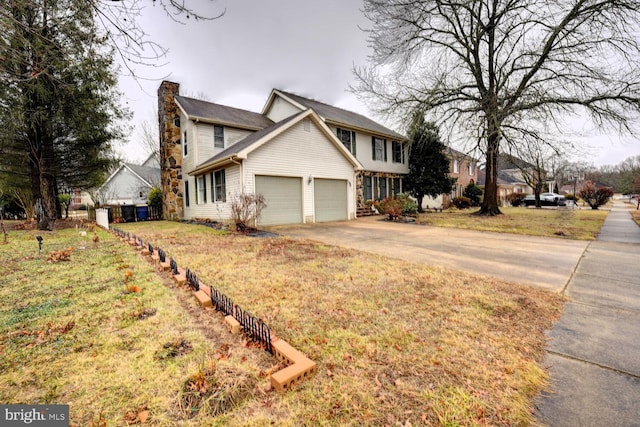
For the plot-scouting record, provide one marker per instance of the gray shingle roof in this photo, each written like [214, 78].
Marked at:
[216, 113]
[152, 175]
[341, 116]
[248, 141]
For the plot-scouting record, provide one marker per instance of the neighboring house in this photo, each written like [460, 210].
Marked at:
[510, 177]
[311, 161]
[464, 168]
[129, 184]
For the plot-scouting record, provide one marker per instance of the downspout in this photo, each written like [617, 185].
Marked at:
[241, 173]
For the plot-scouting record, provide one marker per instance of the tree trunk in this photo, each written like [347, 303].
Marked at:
[420, 198]
[490, 205]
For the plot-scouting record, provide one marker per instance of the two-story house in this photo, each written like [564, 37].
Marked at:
[462, 167]
[311, 161]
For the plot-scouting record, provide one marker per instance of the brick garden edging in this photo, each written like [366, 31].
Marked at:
[299, 367]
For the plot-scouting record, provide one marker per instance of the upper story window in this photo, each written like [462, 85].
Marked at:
[456, 166]
[379, 148]
[218, 136]
[398, 152]
[348, 139]
[184, 144]
[472, 168]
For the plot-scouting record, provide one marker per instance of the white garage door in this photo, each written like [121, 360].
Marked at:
[283, 197]
[330, 199]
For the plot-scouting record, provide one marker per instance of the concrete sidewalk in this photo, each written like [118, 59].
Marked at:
[594, 353]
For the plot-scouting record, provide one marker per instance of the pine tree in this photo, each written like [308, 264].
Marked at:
[58, 106]
[428, 163]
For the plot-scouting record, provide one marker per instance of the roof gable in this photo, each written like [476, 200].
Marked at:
[335, 115]
[210, 112]
[241, 149]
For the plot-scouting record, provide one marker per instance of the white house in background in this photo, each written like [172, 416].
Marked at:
[129, 184]
[311, 161]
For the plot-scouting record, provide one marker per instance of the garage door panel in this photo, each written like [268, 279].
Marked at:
[330, 200]
[283, 197]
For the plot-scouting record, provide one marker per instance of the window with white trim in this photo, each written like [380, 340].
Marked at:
[472, 168]
[379, 188]
[397, 186]
[456, 166]
[201, 190]
[218, 136]
[379, 148]
[397, 149]
[218, 186]
[348, 139]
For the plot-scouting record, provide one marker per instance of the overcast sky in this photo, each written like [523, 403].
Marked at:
[306, 47]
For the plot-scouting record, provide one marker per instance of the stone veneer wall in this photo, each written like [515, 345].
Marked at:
[170, 151]
[360, 201]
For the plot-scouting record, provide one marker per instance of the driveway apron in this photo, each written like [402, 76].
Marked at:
[594, 353]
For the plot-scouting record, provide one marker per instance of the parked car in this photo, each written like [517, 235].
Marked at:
[546, 199]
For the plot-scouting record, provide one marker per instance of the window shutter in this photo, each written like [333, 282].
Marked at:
[204, 188]
[373, 147]
[385, 150]
[353, 143]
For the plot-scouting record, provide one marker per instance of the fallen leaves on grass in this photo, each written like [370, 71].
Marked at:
[62, 255]
[174, 349]
[139, 415]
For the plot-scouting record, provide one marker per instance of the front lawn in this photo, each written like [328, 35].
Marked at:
[579, 224]
[395, 342]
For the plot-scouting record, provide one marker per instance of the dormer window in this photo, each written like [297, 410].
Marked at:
[218, 136]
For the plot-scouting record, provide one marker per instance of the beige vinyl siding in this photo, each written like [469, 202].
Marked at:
[365, 156]
[188, 162]
[206, 150]
[281, 109]
[218, 211]
[301, 154]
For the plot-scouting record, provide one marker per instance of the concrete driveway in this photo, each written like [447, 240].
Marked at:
[540, 261]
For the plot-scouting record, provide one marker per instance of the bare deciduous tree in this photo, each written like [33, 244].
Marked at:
[495, 70]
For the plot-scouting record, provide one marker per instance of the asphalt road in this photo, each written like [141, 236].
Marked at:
[540, 261]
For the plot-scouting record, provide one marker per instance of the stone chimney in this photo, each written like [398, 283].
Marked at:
[170, 151]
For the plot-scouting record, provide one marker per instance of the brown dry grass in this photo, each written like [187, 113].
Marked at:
[579, 224]
[395, 342]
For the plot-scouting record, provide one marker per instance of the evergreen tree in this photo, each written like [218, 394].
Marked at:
[58, 106]
[428, 164]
